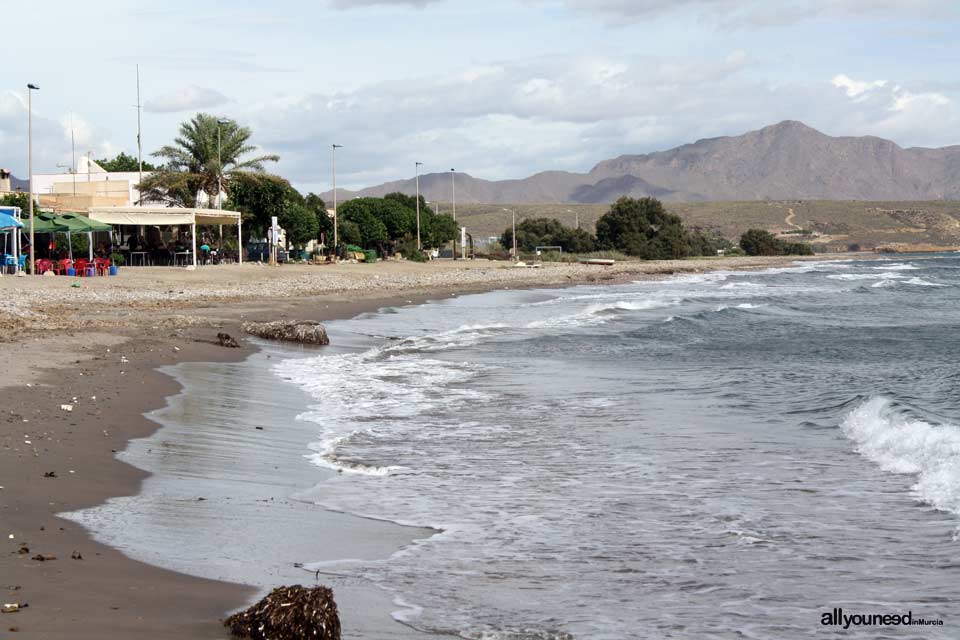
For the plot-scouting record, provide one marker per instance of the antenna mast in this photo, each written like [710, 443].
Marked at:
[139, 140]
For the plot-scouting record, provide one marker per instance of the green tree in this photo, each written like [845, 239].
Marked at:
[123, 162]
[368, 214]
[641, 227]
[300, 223]
[192, 165]
[350, 232]
[19, 199]
[758, 242]
[437, 230]
[260, 196]
[547, 232]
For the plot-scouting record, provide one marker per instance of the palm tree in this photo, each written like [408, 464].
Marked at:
[193, 166]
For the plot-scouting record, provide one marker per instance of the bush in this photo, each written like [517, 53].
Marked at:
[757, 242]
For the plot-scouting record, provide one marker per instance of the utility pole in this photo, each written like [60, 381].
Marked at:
[514, 231]
[220, 123]
[419, 245]
[453, 189]
[139, 141]
[73, 155]
[30, 89]
[336, 236]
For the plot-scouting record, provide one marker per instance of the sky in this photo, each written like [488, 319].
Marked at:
[497, 89]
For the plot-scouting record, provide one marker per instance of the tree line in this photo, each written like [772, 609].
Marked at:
[638, 227]
[211, 153]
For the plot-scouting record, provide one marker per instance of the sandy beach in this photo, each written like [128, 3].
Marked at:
[97, 348]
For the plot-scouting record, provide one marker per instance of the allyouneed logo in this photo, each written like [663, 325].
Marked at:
[837, 618]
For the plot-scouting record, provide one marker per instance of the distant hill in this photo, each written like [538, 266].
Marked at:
[785, 161]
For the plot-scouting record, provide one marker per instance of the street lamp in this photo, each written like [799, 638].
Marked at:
[453, 187]
[333, 154]
[418, 165]
[30, 89]
[514, 231]
[220, 123]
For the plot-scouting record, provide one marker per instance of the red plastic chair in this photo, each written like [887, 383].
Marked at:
[82, 266]
[65, 265]
[43, 266]
[103, 266]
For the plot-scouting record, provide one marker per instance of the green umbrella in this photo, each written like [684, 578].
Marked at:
[82, 224]
[45, 223]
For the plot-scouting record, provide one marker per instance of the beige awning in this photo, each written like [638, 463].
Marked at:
[161, 216]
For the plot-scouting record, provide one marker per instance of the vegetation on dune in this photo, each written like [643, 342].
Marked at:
[757, 242]
[640, 228]
[548, 232]
[389, 223]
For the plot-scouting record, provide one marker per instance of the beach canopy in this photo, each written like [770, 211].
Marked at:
[170, 216]
[161, 216]
[9, 222]
[81, 224]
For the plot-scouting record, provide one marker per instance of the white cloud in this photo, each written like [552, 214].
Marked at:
[855, 88]
[51, 137]
[907, 116]
[187, 99]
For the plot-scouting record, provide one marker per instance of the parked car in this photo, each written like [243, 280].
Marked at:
[260, 252]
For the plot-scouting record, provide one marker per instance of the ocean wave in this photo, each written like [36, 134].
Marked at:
[886, 275]
[372, 395]
[920, 282]
[899, 266]
[599, 313]
[885, 433]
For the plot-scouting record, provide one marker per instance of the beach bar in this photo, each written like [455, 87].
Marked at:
[170, 216]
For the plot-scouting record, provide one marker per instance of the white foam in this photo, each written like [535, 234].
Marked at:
[886, 275]
[899, 266]
[373, 394]
[920, 282]
[599, 313]
[903, 444]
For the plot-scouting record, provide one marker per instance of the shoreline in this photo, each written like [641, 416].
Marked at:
[107, 593]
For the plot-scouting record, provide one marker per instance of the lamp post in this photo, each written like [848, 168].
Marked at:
[453, 200]
[453, 190]
[514, 231]
[220, 123]
[30, 89]
[333, 155]
[418, 165]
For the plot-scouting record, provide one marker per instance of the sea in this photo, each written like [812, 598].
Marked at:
[730, 454]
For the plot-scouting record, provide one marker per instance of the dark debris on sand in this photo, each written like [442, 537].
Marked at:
[289, 613]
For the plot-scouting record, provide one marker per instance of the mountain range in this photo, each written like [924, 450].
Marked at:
[785, 161]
